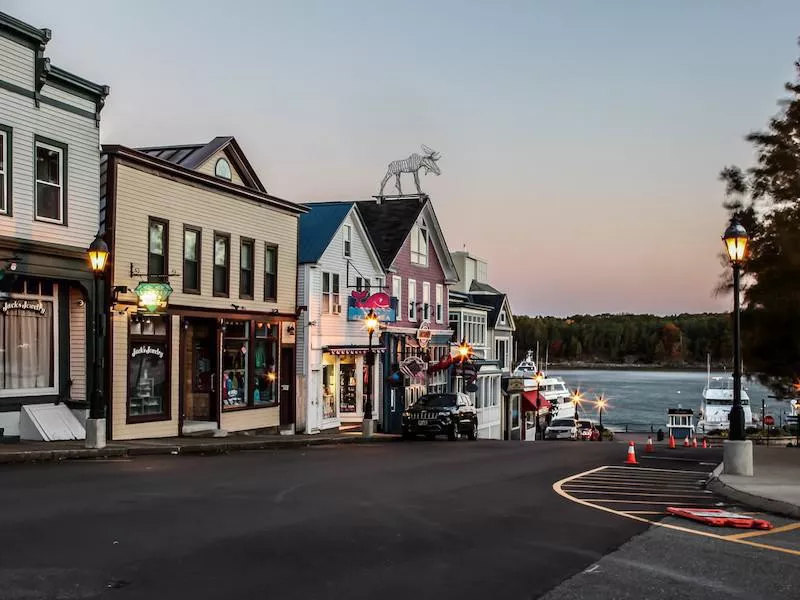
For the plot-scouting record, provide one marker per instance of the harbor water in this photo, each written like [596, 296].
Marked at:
[639, 399]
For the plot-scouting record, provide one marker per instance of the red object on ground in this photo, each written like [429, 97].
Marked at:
[649, 446]
[769, 420]
[671, 441]
[631, 460]
[694, 442]
[686, 442]
[719, 518]
[705, 443]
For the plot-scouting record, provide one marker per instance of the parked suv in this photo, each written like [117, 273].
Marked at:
[562, 429]
[437, 414]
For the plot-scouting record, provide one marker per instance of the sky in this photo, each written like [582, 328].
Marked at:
[581, 140]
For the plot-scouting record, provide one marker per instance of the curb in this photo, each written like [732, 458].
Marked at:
[775, 507]
[37, 456]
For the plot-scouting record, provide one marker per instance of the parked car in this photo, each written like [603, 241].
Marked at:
[587, 430]
[441, 414]
[561, 429]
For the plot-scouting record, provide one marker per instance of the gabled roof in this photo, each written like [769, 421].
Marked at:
[389, 222]
[191, 156]
[494, 302]
[318, 226]
[476, 286]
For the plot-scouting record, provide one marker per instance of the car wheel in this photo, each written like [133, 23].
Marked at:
[452, 435]
[473, 433]
[407, 435]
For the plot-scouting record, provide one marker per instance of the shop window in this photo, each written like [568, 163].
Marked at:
[148, 369]
[347, 388]
[28, 339]
[157, 240]
[191, 260]
[235, 351]
[271, 273]
[328, 393]
[222, 246]
[246, 269]
[51, 160]
[5, 169]
[265, 359]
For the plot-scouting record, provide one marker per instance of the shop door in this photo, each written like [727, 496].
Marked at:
[397, 405]
[200, 370]
[314, 404]
[287, 386]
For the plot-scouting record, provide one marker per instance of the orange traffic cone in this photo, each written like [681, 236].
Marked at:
[686, 442]
[649, 446]
[631, 460]
[671, 441]
[694, 442]
[705, 443]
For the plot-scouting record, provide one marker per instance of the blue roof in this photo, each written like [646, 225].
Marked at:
[318, 226]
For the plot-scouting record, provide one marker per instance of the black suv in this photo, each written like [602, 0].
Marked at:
[436, 414]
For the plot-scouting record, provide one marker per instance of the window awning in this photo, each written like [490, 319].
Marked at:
[529, 401]
[355, 349]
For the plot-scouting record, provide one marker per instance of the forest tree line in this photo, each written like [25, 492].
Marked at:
[681, 340]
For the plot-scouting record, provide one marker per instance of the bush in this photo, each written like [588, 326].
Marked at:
[608, 434]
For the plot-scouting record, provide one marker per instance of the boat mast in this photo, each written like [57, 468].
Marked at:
[708, 368]
[537, 355]
[546, 358]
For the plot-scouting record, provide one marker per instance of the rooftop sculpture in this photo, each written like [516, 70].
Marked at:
[412, 164]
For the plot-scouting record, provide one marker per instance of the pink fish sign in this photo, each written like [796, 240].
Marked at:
[361, 302]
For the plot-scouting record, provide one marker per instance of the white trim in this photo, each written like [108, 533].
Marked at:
[412, 283]
[4, 170]
[48, 391]
[36, 181]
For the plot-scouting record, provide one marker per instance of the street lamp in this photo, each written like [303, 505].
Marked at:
[464, 352]
[372, 323]
[539, 377]
[577, 398]
[735, 239]
[601, 404]
[95, 427]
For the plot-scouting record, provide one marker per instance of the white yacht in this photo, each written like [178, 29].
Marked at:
[554, 389]
[527, 368]
[717, 403]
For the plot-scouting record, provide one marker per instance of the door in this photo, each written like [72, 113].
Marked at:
[314, 404]
[287, 385]
[200, 362]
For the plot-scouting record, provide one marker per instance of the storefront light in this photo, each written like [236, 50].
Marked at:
[98, 254]
[153, 296]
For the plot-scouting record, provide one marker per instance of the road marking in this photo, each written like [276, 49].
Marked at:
[636, 486]
[670, 502]
[646, 512]
[592, 569]
[671, 493]
[694, 460]
[749, 534]
[654, 469]
[558, 485]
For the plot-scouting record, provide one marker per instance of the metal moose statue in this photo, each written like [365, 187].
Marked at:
[412, 164]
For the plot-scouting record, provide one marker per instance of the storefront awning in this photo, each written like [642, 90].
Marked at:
[529, 401]
[355, 349]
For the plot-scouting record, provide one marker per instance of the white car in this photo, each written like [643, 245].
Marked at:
[562, 429]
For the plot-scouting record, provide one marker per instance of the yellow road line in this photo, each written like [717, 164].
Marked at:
[557, 488]
[749, 534]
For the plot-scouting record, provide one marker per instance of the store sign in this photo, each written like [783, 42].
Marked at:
[361, 302]
[413, 366]
[153, 296]
[147, 350]
[424, 334]
[24, 305]
[515, 385]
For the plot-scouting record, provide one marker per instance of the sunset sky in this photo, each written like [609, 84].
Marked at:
[580, 140]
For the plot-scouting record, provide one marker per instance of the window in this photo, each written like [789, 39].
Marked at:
[265, 358]
[246, 269]
[148, 369]
[363, 283]
[501, 352]
[5, 170]
[223, 169]
[397, 292]
[270, 273]
[330, 293]
[347, 233]
[412, 300]
[426, 301]
[502, 317]
[475, 329]
[51, 158]
[28, 338]
[157, 248]
[222, 246]
[191, 260]
[455, 325]
[419, 244]
[235, 349]
[439, 303]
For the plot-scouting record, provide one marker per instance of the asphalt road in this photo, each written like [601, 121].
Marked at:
[393, 520]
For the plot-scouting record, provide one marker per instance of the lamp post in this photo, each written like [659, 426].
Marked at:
[601, 404]
[95, 425]
[372, 324]
[736, 239]
[576, 401]
[464, 352]
[538, 378]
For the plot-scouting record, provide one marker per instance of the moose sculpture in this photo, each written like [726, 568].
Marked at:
[412, 164]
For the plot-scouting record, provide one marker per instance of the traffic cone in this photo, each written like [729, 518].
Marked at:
[631, 460]
[686, 442]
[694, 442]
[649, 447]
[705, 443]
[671, 441]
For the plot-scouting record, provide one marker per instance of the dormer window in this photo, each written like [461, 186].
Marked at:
[419, 245]
[347, 233]
[223, 169]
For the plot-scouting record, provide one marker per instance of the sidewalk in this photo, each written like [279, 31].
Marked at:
[48, 451]
[775, 486]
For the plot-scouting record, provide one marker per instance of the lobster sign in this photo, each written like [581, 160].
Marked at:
[361, 302]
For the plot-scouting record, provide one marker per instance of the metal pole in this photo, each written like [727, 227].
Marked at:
[536, 413]
[600, 439]
[736, 417]
[370, 362]
[96, 405]
[763, 414]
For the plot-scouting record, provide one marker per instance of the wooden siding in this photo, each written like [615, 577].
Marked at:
[120, 430]
[82, 173]
[302, 320]
[142, 194]
[77, 345]
[76, 101]
[254, 418]
[16, 64]
[208, 167]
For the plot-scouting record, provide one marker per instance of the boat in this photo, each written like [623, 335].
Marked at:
[553, 389]
[526, 368]
[715, 408]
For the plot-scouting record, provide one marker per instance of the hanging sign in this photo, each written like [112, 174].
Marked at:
[413, 366]
[424, 334]
[24, 305]
[153, 296]
[361, 302]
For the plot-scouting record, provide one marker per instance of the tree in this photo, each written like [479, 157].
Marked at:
[766, 197]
